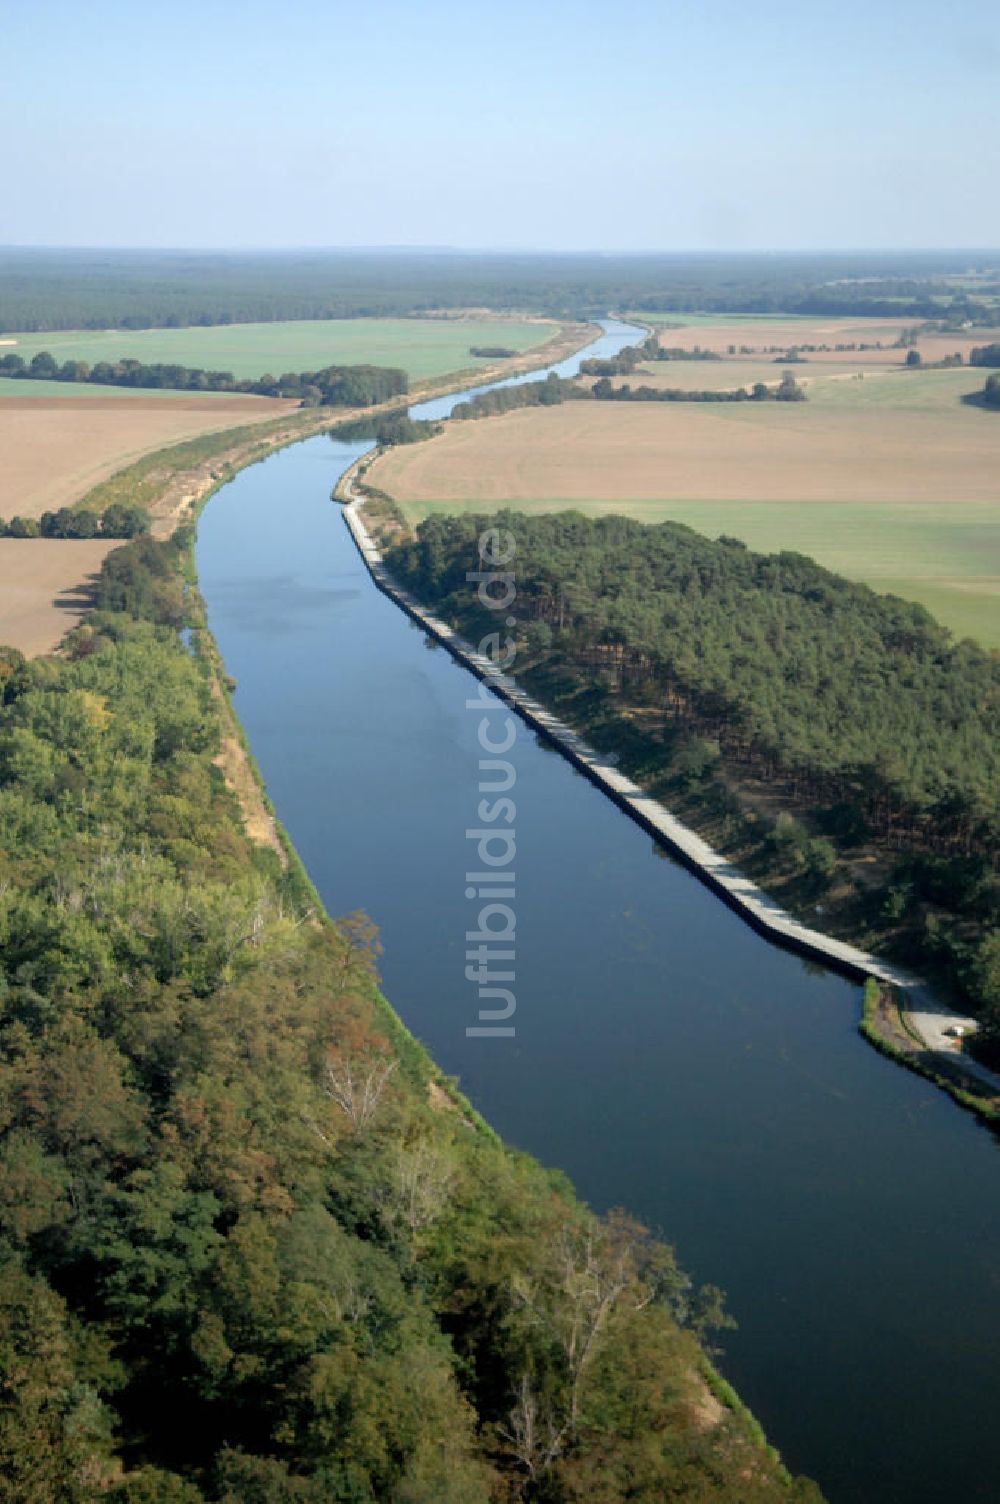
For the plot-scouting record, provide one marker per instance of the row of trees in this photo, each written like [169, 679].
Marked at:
[946, 363]
[857, 709]
[985, 355]
[252, 1246]
[553, 390]
[651, 348]
[119, 520]
[786, 390]
[333, 386]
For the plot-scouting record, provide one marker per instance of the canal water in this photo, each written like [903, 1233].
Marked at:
[665, 1056]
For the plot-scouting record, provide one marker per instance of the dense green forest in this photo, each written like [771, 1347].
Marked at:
[333, 386]
[44, 289]
[553, 390]
[252, 1246]
[731, 680]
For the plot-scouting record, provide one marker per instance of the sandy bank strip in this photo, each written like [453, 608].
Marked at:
[733, 886]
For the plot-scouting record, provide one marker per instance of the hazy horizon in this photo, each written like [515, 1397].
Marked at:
[649, 127]
[497, 250]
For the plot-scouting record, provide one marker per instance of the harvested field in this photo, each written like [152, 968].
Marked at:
[44, 588]
[56, 449]
[723, 451]
[760, 333]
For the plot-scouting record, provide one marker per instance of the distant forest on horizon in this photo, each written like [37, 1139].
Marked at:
[43, 288]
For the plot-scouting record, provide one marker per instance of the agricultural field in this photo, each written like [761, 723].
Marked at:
[56, 449]
[761, 332]
[422, 347]
[890, 479]
[44, 588]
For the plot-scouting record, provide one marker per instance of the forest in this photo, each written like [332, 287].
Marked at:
[253, 1247]
[43, 289]
[722, 676]
[333, 386]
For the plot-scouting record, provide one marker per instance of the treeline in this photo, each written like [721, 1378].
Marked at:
[548, 392]
[491, 352]
[333, 386]
[985, 355]
[49, 289]
[857, 710]
[786, 390]
[252, 1245]
[119, 520]
[678, 352]
[625, 362]
[553, 390]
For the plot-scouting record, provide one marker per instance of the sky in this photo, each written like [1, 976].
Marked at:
[535, 124]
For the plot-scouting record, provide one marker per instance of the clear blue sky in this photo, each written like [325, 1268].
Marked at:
[551, 124]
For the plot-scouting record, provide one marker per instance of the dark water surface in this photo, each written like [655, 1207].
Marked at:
[665, 1056]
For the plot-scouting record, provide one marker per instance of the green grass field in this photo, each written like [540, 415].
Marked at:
[423, 347]
[947, 558]
[908, 391]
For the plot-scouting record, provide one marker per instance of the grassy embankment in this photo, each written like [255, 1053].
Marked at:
[884, 1024]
